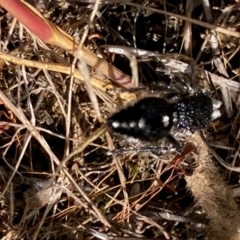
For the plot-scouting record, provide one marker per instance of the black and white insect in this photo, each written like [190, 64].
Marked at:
[152, 119]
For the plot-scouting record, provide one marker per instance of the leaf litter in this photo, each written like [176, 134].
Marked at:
[58, 180]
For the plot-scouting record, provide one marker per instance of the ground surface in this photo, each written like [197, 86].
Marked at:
[99, 194]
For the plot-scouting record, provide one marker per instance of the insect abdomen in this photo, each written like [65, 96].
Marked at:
[149, 119]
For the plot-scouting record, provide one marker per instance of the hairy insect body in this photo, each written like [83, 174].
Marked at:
[194, 113]
[152, 118]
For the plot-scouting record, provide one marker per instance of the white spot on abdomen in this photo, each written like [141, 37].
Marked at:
[141, 123]
[165, 120]
[115, 124]
[124, 125]
[133, 124]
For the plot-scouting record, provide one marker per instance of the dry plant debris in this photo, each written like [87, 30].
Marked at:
[65, 68]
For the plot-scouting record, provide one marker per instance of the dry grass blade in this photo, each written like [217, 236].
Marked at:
[203, 24]
[214, 196]
[19, 114]
[214, 41]
[96, 82]
[52, 34]
[94, 136]
[63, 175]
[187, 30]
